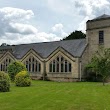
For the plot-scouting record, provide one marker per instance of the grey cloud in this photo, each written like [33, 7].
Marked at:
[91, 7]
[24, 29]
[78, 4]
[100, 11]
[81, 9]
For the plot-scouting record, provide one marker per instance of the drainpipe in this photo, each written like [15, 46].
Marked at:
[80, 70]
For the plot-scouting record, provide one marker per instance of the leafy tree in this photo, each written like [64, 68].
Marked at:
[100, 64]
[75, 35]
[15, 68]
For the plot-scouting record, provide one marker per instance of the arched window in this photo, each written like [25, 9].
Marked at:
[33, 65]
[60, 65]
[4, 64]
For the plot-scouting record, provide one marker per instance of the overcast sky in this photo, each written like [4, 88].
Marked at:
[30, 21]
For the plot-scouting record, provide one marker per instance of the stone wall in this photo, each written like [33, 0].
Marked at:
[98, 24]
[70, 76]
[84, 61]
[93, 28]
[64, 76]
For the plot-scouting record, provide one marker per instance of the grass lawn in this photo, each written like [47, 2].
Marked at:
[44, 95]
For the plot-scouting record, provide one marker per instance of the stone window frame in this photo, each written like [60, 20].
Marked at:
[32, 64]
[101, 37]
[62, 63]
[4, 63]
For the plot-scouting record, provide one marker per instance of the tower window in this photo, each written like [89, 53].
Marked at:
[101, 37]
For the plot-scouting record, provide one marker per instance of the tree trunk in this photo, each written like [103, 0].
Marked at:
[103, 81]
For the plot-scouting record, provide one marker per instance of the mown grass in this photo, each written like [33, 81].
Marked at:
[46, 95]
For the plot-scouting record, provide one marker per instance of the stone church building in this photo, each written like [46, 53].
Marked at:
[59, 60]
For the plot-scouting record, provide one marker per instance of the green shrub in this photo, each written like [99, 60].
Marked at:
[4, 82]
[91, 75]
[15, 68]
[22, 79]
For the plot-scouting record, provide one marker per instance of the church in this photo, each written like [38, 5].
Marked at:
[59, 60]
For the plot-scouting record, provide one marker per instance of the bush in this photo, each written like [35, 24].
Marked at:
[22, 79]
[15, 68]
[4, 82]
[92, 76]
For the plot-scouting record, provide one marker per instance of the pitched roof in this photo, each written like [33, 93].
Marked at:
[74, 47]
[104, 16]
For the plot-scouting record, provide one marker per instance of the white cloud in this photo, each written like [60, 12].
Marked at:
[16, 28]
[89, 5]
[58, 29]
[31, 38]
[90, 9]
[99, 3]
[82, 25]
[14, 14]
[81, 10]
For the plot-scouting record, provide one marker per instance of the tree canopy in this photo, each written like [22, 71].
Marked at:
[14, 68]
[75, 35]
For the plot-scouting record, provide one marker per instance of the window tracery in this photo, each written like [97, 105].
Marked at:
[60, 65]
[33, 65]
[4, 64]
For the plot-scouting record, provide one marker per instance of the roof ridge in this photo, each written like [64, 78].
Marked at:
[48, 42]
[103, 16]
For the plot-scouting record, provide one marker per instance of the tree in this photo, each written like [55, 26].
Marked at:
[100, 63]
[15, 68]
[75, 35]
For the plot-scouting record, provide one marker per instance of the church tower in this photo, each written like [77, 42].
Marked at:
[98, 33]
